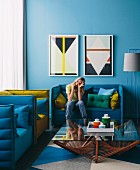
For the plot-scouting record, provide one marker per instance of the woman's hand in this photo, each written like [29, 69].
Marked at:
[81, 85]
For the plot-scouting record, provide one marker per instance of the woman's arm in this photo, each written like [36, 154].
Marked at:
[71, 92]
[80, 91]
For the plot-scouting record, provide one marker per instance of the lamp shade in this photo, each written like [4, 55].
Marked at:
[131, 62]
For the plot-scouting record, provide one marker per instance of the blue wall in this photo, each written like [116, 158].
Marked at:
[119, 18]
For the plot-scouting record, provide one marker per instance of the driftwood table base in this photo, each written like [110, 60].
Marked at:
[97, 150]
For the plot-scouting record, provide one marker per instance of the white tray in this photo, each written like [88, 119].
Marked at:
[100, 130]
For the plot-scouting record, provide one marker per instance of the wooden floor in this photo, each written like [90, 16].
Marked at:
[33, 152]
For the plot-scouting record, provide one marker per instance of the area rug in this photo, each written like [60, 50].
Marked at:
[54, 157]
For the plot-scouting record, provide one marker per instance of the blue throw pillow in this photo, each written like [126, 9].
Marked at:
[42, 106]
[23, 114]
[106, 91]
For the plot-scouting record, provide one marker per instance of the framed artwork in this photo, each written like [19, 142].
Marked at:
[63, 55]
[98, 55]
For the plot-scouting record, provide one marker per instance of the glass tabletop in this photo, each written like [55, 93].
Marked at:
[81, 129]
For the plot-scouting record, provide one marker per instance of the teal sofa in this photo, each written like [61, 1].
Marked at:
[14, 139]
[58, 115]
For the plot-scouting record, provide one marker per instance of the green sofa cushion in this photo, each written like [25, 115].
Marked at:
[101, 101]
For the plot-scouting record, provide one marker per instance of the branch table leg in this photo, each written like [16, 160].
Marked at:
[96, 154]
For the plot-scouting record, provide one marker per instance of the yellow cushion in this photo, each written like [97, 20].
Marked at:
[114, 100]
[5, 93]
[41, 115]
[60, 102]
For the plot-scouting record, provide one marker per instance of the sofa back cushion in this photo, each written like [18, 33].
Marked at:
[23, 116]
[63, 91]
[37, 93]
[5, 93]
[85, 95]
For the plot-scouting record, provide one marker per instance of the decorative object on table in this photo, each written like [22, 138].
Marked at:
[96, 123]
[98, 55]
[101, 125]
[132, 64]
[106, 120]
[63, 55]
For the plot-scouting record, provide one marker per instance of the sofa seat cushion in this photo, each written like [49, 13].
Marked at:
[93, 113]
[24, 141]
[60, 117]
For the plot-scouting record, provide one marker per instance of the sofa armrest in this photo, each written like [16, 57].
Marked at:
[47, 107]
[54, 93]
[21, 101]
[121, 101]
[43, 106]
[7, 139]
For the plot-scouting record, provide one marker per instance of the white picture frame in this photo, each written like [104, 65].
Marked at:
[63, 55]
[98, 55]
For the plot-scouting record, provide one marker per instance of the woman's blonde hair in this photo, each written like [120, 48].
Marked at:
[80, 78]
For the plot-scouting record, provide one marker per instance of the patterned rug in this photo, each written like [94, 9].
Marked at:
[56, 158]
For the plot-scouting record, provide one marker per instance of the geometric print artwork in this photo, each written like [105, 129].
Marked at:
[63, 55]
[98, 55]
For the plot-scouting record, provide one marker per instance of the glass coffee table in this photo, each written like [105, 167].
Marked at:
[96, 144]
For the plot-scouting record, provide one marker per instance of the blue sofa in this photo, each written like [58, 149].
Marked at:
[14, 141]
[58, 115]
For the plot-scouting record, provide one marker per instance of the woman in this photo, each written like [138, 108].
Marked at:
[75, 92]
